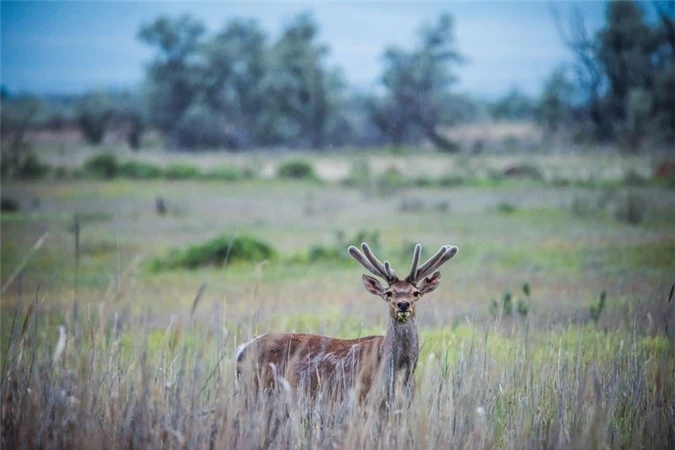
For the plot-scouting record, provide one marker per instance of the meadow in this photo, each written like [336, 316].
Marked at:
[552, 327]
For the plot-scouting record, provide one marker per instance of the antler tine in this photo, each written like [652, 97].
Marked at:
[390, 272]
[358, 256]
[448, 252]
[424, 268]
[375, 262]
[415, 261]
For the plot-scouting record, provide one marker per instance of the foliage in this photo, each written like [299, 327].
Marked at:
[9, 204]
[624, 75]
[596, 309]
[102, 166]
[505, 207]
[515, 105]
[555, 106]
[226, 174]
[505, 308]
[139, 170]
[632, 208]
[221, 251]
[180, 172]
[94, 113]
[417, 87]
[30, 167]
[296, 169]
[234, 90]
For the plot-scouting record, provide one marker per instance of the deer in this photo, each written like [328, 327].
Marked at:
[314, 362]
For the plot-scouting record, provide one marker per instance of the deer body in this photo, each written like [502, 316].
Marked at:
[314, 362]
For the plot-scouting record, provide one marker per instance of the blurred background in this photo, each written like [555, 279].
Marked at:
[539, 137]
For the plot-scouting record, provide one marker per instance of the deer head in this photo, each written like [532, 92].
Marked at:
[402, 295]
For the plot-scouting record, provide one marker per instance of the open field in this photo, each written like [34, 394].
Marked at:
[144, 364]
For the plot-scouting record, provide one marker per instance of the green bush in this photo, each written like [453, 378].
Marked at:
[218, 252]
[450, 179]
[139, 170]
[297, 170]
[224, 174]
[9, 204]
[506, 208]
[632, 209]
[103, 166]
[181, 172]
[326, 253]
[31, 167]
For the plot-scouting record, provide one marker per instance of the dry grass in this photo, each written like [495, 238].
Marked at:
[140, 365]
[122, 385]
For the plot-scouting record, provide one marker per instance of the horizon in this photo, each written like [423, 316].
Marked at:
[68, 48]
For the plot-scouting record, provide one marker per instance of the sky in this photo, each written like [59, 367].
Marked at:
[72, 46]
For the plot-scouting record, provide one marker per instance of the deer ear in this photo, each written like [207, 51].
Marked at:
[372, 285]
[428, 284]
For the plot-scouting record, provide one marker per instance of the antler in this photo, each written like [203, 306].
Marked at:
[368, 260]
[441, 257]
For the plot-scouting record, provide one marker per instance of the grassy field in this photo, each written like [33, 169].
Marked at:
[144, 357]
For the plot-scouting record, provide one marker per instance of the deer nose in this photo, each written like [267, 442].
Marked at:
[403, 306]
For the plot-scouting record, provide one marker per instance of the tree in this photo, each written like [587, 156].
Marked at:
[625, 71]
[94, 112]
[130, 115]
[515, 105]
[626, 46]
[417, 85]
[235, 68]
[303, 94]
[175, 76]
[555, 106]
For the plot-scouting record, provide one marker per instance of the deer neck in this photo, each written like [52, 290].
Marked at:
[401, 347]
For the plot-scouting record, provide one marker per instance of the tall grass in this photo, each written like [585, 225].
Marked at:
[121, 382]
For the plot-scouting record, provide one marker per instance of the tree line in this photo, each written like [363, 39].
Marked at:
[236, 88]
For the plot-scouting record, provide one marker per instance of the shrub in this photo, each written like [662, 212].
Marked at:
[224, 174]
[31, 167]
[94, 113]
[595, 310]
[103, 166]
[139, 170]
[181, 172]
[296, 169]
[450, 179]
[506, 307]
[632, 209]
[423, 181]
[325, 253]
[202, 127]
[218, 252]
[506, 208]
[527, 171]
[9, 204]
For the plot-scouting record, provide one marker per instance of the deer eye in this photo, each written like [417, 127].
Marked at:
[416, 294]
[389, 294]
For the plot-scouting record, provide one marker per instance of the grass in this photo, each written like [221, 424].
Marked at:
[147, 360]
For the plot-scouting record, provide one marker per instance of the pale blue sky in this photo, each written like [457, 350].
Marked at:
[57, 47]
